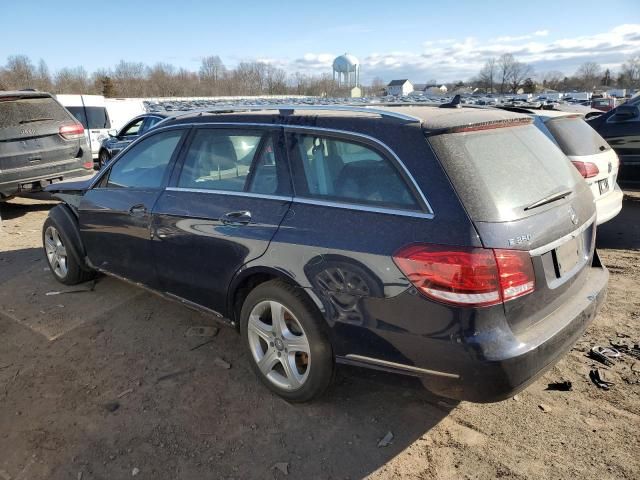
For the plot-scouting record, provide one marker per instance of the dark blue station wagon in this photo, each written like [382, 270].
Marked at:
[456, 245]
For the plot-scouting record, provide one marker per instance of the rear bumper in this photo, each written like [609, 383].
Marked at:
[609, 205]
[35, 178]
[513, 362]
[471, 355]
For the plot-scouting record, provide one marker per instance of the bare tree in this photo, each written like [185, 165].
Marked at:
[505, 65]
[130, 79]
[519, 73]
[18, 72]
[553, 80]
[73, 80]
[275, 81]
[630, 73]
[211, 73]
[589, 75]
[378, 86]
[42, 77]
[487, 75]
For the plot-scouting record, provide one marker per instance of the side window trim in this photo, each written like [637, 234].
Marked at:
[378, 147]
[102, 179]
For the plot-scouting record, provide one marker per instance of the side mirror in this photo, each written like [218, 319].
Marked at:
[626, 112]
[113, 132]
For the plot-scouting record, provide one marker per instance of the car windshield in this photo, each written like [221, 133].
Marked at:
[17, 111]
[576, 137]
[499, 172]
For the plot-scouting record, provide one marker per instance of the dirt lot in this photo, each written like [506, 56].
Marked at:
[108, 383]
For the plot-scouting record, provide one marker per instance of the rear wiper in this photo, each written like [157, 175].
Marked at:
[549, 199]
[43, 119]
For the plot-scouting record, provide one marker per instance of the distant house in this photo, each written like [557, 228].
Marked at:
[399, 87]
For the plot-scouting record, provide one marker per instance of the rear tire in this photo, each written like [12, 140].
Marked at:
[285, 337]
[61, 255]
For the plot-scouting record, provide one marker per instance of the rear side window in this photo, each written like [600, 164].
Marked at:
[340, 170]
[576, 137]
[78, 113]
[499, 172]
[97, 118]
[15, 112]
[145, 164]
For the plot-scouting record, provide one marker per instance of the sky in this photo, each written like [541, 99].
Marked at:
[420, 40]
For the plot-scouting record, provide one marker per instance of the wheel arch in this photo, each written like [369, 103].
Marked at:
[249, 278]
[66, 219]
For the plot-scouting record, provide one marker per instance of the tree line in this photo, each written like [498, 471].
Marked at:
[505, 74]
[135, 79]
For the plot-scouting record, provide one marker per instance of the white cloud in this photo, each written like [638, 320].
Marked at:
[454, 59]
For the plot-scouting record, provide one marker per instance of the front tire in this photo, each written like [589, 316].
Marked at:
[103, 159]
[60, 257]
[285, 336]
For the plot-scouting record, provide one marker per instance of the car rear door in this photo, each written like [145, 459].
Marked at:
[224, 205]
[115, 215]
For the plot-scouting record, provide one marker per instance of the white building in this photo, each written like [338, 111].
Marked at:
[399, 87]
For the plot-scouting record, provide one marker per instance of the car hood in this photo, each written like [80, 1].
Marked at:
[75, 186]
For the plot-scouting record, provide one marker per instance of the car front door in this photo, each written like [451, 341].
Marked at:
[115, 214]
[222, 210]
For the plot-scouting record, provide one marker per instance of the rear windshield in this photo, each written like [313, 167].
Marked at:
[91, 118]
[15, 112]
[499, 172]
[576, 137]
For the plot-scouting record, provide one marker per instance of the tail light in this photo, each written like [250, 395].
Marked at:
[586, 169]
[474, 277]
[88, 165]
[72, 132]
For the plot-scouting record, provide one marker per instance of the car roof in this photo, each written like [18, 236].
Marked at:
[24, 93]
[430, 117]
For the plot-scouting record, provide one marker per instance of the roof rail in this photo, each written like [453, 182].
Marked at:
[288, 109]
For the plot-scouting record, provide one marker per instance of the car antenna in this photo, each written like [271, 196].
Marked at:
[455, 103]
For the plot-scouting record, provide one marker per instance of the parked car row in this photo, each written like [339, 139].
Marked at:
[454, 245]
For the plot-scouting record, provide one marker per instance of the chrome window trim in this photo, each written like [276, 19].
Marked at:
[363, 208]
[430, 214]
[556, 243]
[230, 192]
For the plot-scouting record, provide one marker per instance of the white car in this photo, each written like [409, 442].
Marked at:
[596, 161]
[91, 112]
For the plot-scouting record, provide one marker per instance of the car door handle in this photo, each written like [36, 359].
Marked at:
[242, 217]
[138, 210]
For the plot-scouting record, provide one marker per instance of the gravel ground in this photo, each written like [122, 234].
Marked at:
[105, 381]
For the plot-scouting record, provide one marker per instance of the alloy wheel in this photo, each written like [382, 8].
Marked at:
[56, 252]
[279, 345]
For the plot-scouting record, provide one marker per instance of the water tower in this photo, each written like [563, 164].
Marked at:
[346, 71]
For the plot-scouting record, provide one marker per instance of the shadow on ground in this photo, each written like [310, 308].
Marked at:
[623, 231]
[127, 388]
[10, 210]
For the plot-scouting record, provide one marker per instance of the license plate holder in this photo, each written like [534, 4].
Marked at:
[567, 256]
[603, 185]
